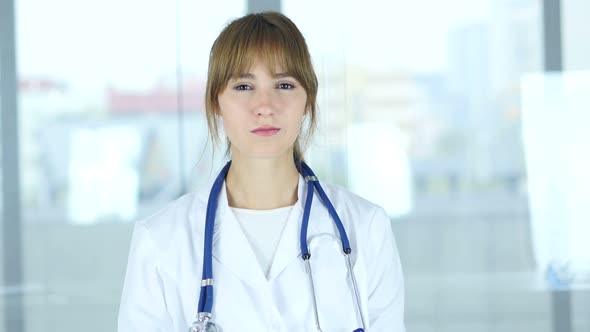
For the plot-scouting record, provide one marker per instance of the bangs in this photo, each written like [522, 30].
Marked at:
[270, 52]
[259, 40]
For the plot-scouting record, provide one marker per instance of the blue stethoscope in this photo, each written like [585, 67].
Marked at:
[204, 322]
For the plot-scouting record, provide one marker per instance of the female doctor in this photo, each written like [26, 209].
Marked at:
[267, 246]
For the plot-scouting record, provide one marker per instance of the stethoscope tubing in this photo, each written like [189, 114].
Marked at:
[206, 292]
[312, 183]
[206, 295]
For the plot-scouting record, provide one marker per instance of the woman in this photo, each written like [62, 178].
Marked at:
[262, 87]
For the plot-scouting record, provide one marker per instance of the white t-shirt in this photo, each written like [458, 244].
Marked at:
[263, 229]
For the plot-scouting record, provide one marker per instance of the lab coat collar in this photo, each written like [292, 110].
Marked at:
[229, 239]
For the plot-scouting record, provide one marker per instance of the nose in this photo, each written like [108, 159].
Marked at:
[264, 104]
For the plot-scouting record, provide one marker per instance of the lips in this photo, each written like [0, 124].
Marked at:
[266, 131]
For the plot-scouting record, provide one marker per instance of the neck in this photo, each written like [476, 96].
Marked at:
[262, 184]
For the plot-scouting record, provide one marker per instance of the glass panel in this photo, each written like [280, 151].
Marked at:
[575, 29]
[555, 119]
[421, 108]
[112, 128]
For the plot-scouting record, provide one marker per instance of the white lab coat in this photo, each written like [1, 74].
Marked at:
[164, 270]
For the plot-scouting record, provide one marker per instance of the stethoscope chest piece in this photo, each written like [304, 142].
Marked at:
[197, 327]
[203, 324]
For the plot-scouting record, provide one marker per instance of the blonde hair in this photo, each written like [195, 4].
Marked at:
[272, 38]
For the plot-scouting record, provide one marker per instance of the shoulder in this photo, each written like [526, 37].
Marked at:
[367, 224]
[343, 197]
[174, 218]
[357, 213]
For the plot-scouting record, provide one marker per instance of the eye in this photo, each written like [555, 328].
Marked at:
[242, 87]
[285, 86]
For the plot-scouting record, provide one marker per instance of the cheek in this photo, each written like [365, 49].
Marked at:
[230, 115]
[230, 126]
[295, 126]
[297, 108]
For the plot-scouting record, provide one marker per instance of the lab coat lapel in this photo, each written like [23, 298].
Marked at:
[231, 247]
[288, 248]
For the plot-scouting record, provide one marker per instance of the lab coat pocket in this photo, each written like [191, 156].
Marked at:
[336, 301]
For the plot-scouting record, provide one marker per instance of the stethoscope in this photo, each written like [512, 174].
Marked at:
[204, 321]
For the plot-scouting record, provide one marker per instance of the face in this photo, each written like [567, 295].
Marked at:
[262, 112]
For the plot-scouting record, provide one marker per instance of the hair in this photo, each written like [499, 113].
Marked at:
[274, 39]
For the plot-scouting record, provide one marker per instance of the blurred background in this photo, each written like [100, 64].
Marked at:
[465, 119]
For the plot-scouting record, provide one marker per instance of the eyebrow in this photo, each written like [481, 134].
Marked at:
[251, 76]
